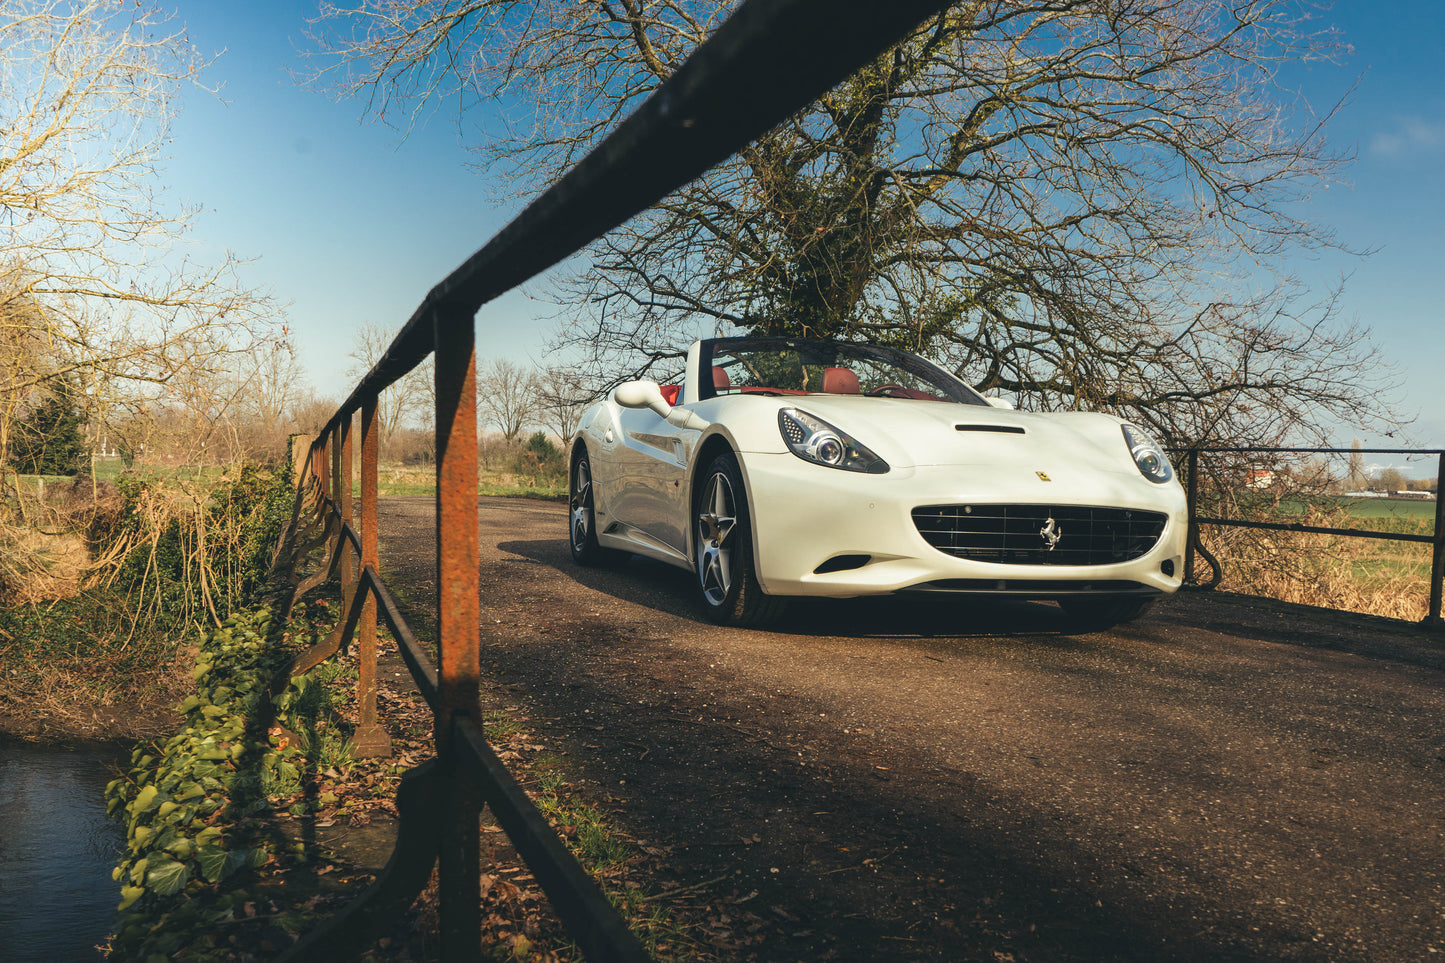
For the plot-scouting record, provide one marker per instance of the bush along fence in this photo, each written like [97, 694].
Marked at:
[194, 805]
[1233, 479]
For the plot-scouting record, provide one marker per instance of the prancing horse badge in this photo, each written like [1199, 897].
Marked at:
[1042, 476]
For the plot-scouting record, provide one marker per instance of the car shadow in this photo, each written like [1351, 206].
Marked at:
[1272, 621]
[667, 589]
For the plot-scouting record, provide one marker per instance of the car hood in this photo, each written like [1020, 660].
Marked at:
[905, 432]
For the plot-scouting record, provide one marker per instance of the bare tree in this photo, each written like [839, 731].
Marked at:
[26, 367]
[406, 401]
[275, 383]
[562, 396]
[92, 287]
[1356, 477]
[507, 396]
[310, 411]
[1068, 200]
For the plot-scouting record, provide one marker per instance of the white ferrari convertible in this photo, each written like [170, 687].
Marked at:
[786, 467]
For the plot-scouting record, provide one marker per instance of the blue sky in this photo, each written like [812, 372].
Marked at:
[350, 223]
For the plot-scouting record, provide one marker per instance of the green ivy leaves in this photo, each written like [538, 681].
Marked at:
[179, 798]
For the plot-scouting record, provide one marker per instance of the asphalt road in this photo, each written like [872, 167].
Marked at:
[1226, 779]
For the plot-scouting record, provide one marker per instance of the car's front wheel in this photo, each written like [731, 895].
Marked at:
[723, 549]
[1096, 615]
[582, 517]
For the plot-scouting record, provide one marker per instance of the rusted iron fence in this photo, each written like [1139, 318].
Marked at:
[769, 59]
[1436, 539]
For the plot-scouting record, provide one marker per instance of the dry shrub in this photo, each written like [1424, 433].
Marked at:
[99, 685]
[1375, 577]
[86, 639]
[44, 553]
[183, 551]
[38, 565]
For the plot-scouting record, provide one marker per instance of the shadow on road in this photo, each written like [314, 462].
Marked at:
[664, 588]
[671, 590]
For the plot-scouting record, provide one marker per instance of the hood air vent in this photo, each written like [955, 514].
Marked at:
[1003, 429]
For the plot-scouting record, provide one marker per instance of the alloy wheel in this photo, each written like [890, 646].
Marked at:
[716, 520]
[580, 504]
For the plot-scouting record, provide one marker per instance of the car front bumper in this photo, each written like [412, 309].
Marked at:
[806, 517]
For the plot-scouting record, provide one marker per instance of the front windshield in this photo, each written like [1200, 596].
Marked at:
[788, 366]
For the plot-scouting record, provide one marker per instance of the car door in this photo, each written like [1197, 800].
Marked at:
[653, 458]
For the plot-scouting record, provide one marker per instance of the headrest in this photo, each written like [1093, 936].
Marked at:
[840, 381]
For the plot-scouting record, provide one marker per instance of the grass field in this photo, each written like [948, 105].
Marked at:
[1363, 508]
[394, 482]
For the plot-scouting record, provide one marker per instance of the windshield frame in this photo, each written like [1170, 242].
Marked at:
[952, 389]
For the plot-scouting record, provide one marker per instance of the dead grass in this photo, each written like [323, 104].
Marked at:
[391, 482]
[69, 668]
[44, 552]
[37, 566]
[80, 655]
[1375, 577]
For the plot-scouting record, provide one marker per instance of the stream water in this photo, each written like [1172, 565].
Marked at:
[57, 850]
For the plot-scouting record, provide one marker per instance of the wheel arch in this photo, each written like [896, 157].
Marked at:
[579, 445]
[713, 445]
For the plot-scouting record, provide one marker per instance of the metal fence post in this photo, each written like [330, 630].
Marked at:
[335, 478]
[348, 569]
[458, 628]
[371, 739]
[319, 462]
[1192, 526]
[1437, 555]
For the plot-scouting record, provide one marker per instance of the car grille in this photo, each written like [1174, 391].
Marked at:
[1021, 534]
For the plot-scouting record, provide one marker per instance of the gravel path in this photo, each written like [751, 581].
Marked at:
[1228, 779]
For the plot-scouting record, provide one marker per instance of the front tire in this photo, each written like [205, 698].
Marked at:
[582, 516]
[1096, 615]
[723, 550]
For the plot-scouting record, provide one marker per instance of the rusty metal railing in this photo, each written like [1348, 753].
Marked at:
[1436, 539]
[769, 59]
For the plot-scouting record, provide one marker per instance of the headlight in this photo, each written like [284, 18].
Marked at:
[1152, 462]
[813, 439]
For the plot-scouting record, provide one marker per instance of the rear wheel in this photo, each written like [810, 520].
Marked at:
[1095, 615]
[723, 550]
[582, 518]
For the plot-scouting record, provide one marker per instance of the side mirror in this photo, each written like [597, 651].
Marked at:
[646, 394]
[642, 394]
[999, 402]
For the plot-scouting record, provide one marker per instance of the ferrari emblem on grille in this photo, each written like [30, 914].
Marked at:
[1051, 533]
[1042, 476]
